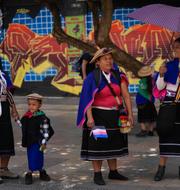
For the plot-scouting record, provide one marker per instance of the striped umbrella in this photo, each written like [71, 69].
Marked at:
[159, 14]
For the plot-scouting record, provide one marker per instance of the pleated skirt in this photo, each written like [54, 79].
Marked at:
[116, 145]
[170, 145]
[6, 132]
[147, 113]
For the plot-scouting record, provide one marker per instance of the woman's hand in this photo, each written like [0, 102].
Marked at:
[162, 70]
[14, 112]
[131, 120]
[90, 122]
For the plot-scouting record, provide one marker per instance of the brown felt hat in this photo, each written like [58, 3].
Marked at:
[145, 71]
[101, 52]
[35, 96]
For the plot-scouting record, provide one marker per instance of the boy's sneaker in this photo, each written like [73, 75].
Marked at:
[44, 176]
[1, 180]
[28, 178]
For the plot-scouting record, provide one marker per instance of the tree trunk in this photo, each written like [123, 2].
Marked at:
[102, 28]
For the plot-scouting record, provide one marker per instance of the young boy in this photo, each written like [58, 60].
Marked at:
[36, 131]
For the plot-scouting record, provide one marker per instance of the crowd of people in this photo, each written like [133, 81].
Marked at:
[104, 114]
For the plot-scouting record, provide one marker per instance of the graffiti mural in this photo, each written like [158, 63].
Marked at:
[149, 44]
[26, 50]
[30, 52]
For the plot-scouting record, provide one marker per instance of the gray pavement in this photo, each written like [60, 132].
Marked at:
[69, 172]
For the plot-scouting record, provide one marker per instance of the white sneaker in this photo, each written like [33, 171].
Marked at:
[7, 174]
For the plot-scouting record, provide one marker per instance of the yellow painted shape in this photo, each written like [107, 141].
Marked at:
[25, 67]
[44, 66]
[67, 88]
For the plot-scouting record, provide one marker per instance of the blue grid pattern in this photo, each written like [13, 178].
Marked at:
[119, 14]
[42, 25]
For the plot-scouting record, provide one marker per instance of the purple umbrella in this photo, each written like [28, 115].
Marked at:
[159, 14]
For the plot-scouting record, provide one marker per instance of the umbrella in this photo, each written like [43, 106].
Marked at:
[159, 14]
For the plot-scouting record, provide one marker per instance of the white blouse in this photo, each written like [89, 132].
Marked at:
[161, 84]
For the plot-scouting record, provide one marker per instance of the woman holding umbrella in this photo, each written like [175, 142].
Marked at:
[168, 122]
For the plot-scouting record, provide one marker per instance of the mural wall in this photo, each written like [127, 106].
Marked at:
[31, 53]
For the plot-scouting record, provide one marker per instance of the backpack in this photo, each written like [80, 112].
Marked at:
[89, 67]
[98, 76]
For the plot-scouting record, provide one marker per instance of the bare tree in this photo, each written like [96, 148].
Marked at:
[102, 11]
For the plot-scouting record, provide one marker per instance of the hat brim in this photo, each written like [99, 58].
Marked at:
[145, 74]
[34, 98]
[100, 55]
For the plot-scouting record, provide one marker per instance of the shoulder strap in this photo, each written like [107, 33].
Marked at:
[98, 76]
[116, 74]
[112, 92]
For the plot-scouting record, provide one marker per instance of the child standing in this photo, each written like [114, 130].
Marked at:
[145, 102]
[36, 131]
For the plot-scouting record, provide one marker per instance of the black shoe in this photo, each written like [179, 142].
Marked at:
[28, 178]
[142, 134]
[44, 176]
[98, 179]
[151, 133]
[160, 173]
[117, 176]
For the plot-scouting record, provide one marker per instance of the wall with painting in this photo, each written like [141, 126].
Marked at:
[38, 63]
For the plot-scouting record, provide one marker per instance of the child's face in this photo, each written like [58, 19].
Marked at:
[33, 105]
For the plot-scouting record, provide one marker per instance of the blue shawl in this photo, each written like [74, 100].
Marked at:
[172, 71]
[88, 92]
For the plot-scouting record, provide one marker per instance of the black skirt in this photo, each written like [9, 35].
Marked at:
[147, 113]
[169, 145]
[6, 133]
[116, 145]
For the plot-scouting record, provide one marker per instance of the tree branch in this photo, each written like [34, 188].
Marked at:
[59, 33]
[105, 22]
[94, 8]
[120, 57]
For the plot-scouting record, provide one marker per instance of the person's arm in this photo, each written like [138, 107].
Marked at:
[90, 120]
[84, 65]
[161, 84]
[14, 112]
[127, 100]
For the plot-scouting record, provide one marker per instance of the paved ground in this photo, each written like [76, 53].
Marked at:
[69, 172]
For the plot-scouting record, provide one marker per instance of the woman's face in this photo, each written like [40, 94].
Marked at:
[176, 48]
[105, 63]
